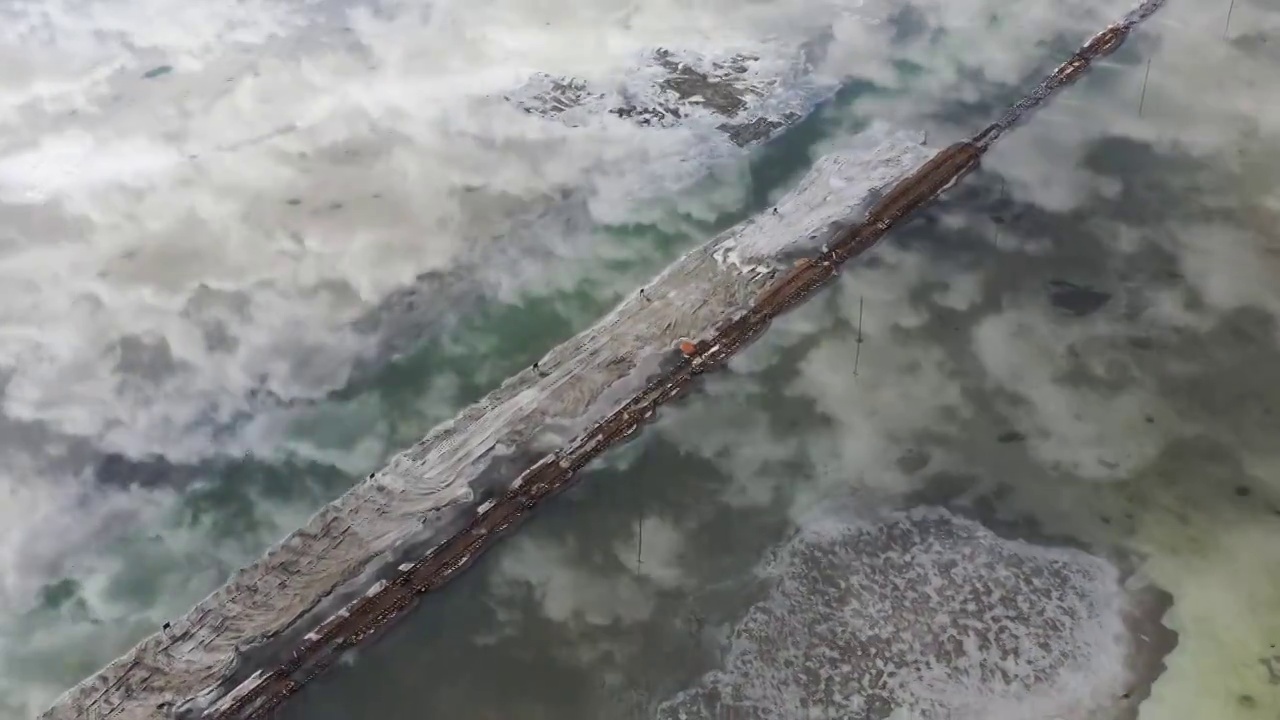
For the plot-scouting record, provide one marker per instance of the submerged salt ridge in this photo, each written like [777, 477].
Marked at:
[927, 616]
[426, 492]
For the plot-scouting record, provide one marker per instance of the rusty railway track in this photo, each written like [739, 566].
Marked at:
[555, 472]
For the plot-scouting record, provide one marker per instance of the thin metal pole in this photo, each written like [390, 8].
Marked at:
[1143, 98]
[857, 355]
[1227, 28]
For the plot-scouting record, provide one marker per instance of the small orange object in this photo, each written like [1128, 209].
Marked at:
[688, 348]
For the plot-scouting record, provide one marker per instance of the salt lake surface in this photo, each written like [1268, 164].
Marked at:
[207, 207]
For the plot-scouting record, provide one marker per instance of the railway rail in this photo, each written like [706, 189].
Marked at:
[552, 474]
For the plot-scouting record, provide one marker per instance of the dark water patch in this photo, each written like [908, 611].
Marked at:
[1261, 45]
[913, 460]
[1157, 187]
[156, 72]
[153, 471]
[65, 597]
[144, 358]
[1076, 300]
[1151, 642]
[943, 488]
[237, 498]
[908, 22]
[1272, 666]
[1236, 381]
[1142, 342]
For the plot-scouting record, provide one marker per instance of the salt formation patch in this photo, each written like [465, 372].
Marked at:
[922, 615]
[742, 95]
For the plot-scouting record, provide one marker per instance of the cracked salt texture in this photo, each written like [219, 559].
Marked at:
[922, 615]
[746, 95]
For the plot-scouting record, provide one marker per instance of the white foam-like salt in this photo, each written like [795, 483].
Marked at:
[926, 615]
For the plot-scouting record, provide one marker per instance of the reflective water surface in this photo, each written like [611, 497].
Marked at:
[1071, 359]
